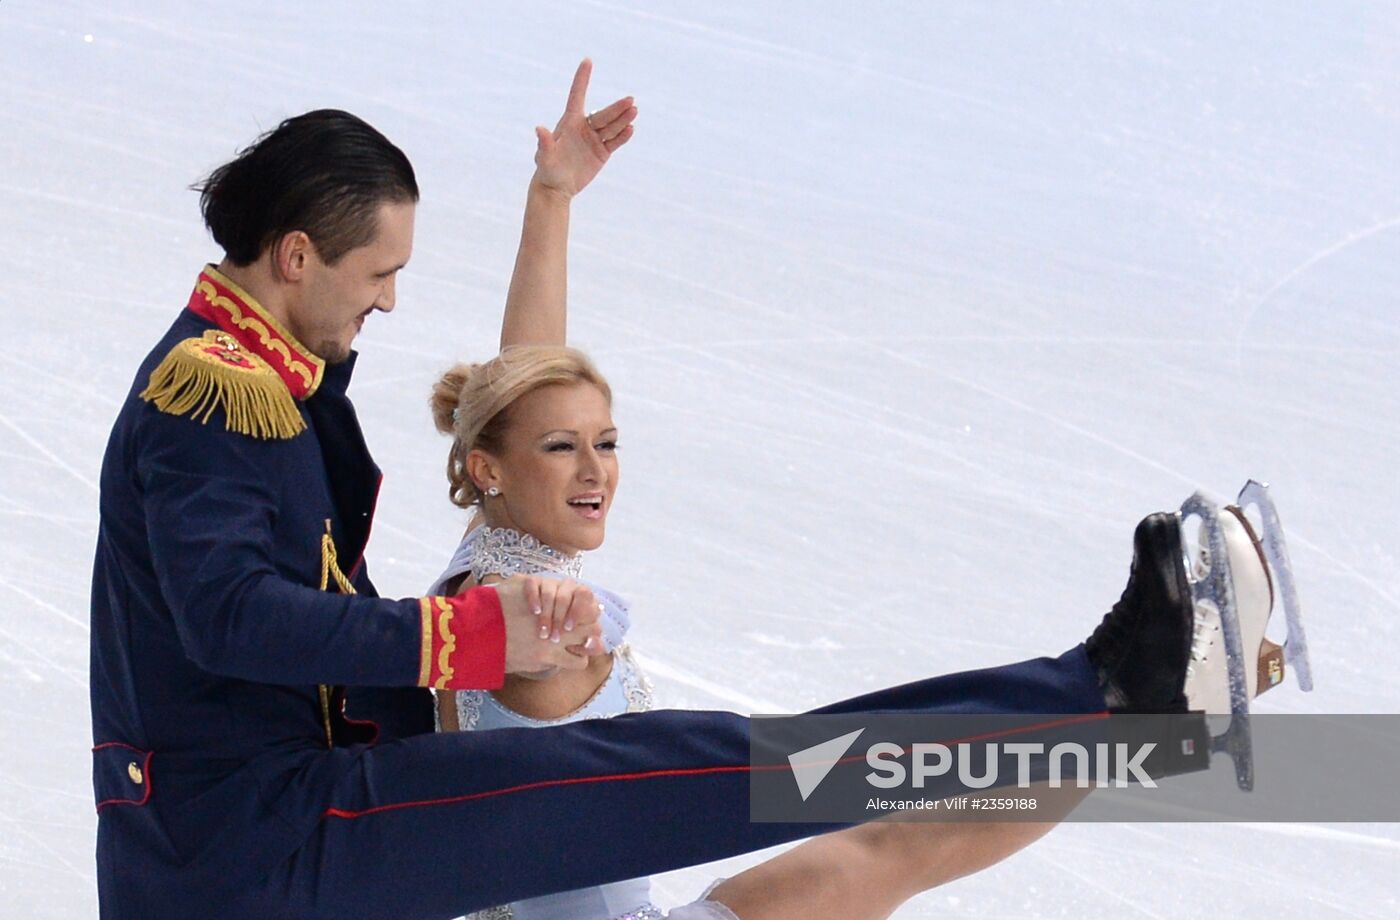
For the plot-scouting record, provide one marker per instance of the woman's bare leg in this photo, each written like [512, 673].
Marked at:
[864, 873]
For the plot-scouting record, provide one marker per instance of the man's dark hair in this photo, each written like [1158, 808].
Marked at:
[325, 173]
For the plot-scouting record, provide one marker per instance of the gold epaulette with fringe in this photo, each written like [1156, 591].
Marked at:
[215, 372]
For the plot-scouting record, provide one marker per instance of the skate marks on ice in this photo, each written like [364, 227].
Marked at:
[80, 624]
[1306, 265]
[735, 42]
[39, 659]
[29, 652]
[53, 458]
[664, 671]
[1295, 537]
[1114, 862]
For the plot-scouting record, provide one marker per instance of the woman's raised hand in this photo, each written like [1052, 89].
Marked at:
[570, 156]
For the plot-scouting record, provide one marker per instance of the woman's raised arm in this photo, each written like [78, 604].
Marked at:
[566, 160]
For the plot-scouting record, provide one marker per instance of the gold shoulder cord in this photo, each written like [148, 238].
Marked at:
[330, 570]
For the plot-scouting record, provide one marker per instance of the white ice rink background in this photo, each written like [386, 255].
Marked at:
[911, 311]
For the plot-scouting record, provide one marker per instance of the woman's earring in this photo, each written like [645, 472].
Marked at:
[493, 492]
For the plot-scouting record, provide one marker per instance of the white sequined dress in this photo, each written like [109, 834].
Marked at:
[500, 551]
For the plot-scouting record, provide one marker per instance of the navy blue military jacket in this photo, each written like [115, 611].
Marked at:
[231, 607]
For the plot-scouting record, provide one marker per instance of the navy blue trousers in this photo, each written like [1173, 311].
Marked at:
[438, 825]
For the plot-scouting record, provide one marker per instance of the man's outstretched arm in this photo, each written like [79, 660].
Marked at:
[211, 515]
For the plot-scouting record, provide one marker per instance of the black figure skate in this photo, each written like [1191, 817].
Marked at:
[1188, 632]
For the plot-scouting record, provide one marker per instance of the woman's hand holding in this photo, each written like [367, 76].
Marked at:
[573, 153]
[550, 623]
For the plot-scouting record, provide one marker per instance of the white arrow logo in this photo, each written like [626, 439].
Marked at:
[811, 765]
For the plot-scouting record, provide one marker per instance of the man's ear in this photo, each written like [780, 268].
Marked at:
[483, 470]
[290, 255]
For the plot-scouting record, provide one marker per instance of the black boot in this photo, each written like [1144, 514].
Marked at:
[1142, 647]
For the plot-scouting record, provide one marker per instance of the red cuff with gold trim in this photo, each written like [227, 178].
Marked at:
[464, 641]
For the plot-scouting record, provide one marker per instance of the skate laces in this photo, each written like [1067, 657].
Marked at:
[1204, 626]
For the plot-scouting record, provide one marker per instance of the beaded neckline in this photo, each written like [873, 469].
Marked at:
[503, 551]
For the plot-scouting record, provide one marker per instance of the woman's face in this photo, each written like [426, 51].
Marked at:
[558, 472]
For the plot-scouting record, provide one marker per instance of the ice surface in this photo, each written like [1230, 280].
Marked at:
[912, 313]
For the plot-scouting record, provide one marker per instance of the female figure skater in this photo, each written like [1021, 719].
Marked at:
[534, 456]
[534, 451]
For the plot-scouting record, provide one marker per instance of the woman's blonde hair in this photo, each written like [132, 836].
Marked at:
[472, 402]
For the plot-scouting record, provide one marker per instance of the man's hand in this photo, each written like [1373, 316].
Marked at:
[573, 153]
[549, 624]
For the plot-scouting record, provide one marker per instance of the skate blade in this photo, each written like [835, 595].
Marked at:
[1214, 587]
[1295, 647]
[1271, 670]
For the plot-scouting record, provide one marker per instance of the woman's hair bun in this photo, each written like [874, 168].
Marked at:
[447, 395]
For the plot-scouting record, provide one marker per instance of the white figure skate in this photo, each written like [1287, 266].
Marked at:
[1234, 576]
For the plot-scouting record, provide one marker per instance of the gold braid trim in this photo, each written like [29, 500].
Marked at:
[449, 643]
[258, 324]
[215, 372]
[425, 656]
[330, 571]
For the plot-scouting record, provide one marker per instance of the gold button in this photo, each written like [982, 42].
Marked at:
[134, 772]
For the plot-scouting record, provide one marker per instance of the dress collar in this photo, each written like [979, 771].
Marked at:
[502, 551]
[235, 311]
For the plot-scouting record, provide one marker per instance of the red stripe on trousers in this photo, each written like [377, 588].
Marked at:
[651, 774]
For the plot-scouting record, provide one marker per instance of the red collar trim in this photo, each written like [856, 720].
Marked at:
[234, 310]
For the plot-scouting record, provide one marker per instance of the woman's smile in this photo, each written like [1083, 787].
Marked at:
[589, 505]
